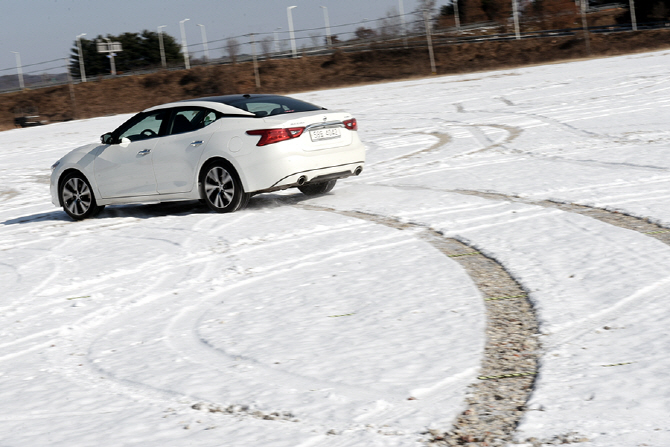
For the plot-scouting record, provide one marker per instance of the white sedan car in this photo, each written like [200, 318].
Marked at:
[220, 150]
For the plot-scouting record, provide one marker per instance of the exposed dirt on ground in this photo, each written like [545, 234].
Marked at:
[127, 94]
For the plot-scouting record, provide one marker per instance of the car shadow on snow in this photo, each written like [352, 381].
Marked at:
[148, 211]
[140, 211]
[269, 200]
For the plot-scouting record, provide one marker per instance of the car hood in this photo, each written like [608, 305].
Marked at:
[77, 156]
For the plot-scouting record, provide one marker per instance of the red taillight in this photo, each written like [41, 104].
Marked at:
[351, 124]
[270, 136]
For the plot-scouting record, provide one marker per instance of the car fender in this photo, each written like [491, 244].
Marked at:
[229, 146]
[81, 160]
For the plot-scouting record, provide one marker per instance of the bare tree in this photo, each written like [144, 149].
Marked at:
[423, 5]
[364, 33]
[315, 37]
[233, 49]
[390, 26]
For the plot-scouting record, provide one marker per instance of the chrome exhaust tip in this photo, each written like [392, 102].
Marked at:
[302, 180]
[358, 170]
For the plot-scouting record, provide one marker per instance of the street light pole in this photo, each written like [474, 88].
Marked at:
[82, 71]
[329, 40]
[290, 29]
[632, 15]
[19, 70]
[184, 48]
[162, 47]
[204, 41]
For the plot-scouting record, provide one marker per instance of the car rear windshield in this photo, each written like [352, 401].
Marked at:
[269, 105]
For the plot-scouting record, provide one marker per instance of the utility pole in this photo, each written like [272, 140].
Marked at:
[290, 29]
[515, 8]
[457, 17]
[204, 41]
[19, 69]
[69, 81]
[82, 71]
[430, 43]
[633, 20]
[162, 47]
[585, 26]
[253, 51]
[184, 48]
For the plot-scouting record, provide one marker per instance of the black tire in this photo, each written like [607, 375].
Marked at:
[77, 198]
[221, 189]
[313, 189]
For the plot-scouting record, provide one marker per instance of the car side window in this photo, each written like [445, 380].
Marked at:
[148, 126]
[188, 120]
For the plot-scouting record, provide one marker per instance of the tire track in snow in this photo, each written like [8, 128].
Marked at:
[494, 407]
[614, 218]
[84, 371]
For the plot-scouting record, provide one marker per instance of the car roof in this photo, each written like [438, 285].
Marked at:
[219, 103]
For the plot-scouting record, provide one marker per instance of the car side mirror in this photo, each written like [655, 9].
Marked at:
[106, 138]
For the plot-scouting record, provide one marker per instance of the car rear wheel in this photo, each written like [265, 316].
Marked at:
[77, 197]
[221, 189]
[313, 189]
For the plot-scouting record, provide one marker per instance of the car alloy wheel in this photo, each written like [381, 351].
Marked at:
[77, 197]
[221, 189]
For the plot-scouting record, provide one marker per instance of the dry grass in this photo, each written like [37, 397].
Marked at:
[134, 93]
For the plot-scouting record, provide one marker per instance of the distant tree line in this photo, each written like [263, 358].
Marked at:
[550, 13]
[140, 50]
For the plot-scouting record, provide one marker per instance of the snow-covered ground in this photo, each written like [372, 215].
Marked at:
[282, 325]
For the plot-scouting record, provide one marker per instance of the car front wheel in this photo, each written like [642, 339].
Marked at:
[77, 197]
[313, 189]
[221, 188]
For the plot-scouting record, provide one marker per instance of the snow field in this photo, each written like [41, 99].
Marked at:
[168, 325]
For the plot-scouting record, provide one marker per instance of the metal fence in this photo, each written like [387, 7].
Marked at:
[382, 34]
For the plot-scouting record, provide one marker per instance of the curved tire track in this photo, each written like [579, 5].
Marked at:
[512, 346]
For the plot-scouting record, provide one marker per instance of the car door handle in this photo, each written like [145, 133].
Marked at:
[197, 143]
[144, 152]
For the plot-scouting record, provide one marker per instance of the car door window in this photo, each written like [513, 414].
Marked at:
[188, 120]
[147, 126]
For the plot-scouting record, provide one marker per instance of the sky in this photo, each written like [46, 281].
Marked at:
[45, 30]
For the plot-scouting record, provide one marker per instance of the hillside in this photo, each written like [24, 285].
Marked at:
[134, 93]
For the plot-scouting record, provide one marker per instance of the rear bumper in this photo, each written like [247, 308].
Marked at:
[315, 176]
[280, 166]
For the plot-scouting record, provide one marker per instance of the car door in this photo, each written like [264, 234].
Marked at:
[125, 169]
[177, 155]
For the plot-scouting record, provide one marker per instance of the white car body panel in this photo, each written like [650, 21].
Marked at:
[126, 170]
[176, 161]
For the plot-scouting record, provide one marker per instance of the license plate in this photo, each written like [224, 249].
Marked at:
[325, 134]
